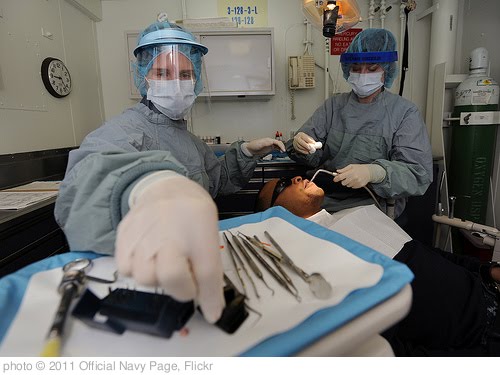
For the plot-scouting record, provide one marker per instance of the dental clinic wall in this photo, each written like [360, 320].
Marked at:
[478, 25]
[246, 118]
[31, 30]
[89, 36]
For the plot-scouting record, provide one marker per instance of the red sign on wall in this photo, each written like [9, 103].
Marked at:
[340, 42]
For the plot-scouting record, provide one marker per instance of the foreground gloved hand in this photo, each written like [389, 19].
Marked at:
[304, 144]
[358, 175]
[169, 238]
[261, 147]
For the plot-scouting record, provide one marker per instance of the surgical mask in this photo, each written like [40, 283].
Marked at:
[365, 84]
[173, 97]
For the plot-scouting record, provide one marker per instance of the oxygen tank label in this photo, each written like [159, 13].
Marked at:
[477, 92]
[480, 118]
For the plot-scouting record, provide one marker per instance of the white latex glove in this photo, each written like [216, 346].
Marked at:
[261, 147]
[169, 238]
[358, 175]
[304, 144]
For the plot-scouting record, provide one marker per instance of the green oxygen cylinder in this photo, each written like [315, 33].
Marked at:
[473, 139]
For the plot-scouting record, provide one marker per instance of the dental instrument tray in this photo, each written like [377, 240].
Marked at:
[151, 313]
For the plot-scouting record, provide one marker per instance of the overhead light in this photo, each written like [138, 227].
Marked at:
[331, 16]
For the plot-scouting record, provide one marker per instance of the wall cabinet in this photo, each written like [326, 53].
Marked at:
[29, 235]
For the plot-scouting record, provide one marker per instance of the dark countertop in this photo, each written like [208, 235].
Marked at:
[7, 215]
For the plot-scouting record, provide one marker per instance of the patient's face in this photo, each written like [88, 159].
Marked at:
[302, 198]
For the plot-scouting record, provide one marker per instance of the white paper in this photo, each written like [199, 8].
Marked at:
[371, 227]
[37, 186]
[26, 195]
[343, 270]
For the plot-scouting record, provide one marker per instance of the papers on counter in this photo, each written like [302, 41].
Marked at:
[27, 195]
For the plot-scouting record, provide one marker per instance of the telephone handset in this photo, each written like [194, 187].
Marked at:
[301, 72]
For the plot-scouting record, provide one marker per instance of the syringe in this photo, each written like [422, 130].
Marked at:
[324, 171]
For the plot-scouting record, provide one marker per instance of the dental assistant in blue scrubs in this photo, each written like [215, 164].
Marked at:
[369, 136]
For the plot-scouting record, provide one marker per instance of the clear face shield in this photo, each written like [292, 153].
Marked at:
[171, 64]
[170, 76]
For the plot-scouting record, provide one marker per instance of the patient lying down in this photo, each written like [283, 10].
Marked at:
[455, 299]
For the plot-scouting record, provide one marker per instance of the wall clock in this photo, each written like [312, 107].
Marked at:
[56, 77]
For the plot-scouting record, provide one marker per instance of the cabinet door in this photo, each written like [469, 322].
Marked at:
[29, 238]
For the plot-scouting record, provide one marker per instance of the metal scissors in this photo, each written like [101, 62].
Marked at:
[71, 286]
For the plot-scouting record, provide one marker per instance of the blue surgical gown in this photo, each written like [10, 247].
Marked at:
[93, 196]
[389, 132]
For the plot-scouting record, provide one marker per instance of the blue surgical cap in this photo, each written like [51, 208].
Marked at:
[367, 43]
[149, 46]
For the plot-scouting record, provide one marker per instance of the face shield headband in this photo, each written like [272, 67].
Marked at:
[369, 57]
[169, 36]
[153, 43]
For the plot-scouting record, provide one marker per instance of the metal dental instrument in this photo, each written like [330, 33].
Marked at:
[282, 277]
[276, 262]
[335, 173]
[72, 284]
[285, 275]
[324, 171]
[260, 259]
[280, 269]
[242, 264]
[273, 273]
[256, 242]
[317, 283]
[84, 264]
[231, 250]
[250, 261]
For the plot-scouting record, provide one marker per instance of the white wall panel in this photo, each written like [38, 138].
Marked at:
[35, 120]
[264, 117]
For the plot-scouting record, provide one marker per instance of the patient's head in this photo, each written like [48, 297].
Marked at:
[301, 197]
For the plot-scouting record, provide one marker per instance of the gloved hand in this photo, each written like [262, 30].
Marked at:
[261, 147]
[169, 238]
[304, 144]
[358, 175]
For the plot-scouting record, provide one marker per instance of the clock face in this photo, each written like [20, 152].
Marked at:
[56, 77]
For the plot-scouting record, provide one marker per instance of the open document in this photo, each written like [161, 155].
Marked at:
[27, 195]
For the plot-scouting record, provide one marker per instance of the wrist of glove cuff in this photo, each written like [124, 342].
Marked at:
[377, 173]
[147, 181]
[244, 149]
